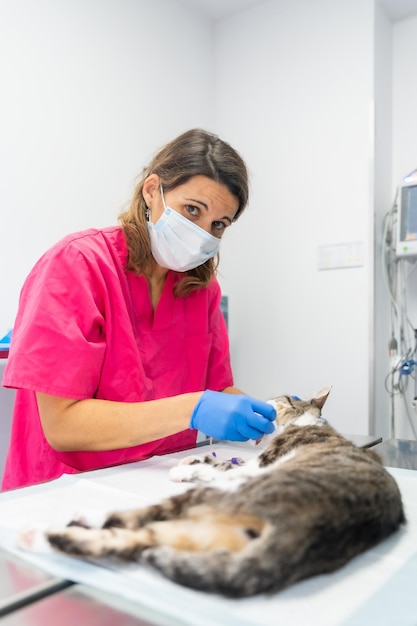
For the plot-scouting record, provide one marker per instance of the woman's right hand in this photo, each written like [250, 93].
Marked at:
[235, 417]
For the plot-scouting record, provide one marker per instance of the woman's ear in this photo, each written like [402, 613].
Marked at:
[150, 188]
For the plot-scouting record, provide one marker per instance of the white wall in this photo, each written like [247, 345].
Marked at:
[295, 91]
[404, 98]
[383, 200]
[89, 89]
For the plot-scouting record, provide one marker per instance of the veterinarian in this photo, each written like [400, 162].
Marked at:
[120, 349]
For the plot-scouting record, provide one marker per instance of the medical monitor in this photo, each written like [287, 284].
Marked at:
[407, 217]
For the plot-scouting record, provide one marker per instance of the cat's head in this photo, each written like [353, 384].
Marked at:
[293, 411]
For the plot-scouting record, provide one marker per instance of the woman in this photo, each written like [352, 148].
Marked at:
[119, 350]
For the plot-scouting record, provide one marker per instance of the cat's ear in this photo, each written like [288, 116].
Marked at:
[321, 397]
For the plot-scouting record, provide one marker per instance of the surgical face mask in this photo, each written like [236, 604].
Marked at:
[178, 244]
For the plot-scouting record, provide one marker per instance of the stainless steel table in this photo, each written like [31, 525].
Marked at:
[22, 584]
[364, 441]
[398, 453]
[80, 605]
[30, 597]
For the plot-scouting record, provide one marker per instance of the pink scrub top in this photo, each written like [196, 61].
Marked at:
[86, 329]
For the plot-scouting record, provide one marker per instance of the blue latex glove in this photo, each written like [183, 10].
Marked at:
[232, 416]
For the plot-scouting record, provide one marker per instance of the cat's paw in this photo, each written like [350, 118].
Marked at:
[88, 518]
[81, 541]
[99, 543]
[181, 473]
[191, 473]
[33, 539]
[188, 468]
[191, 459]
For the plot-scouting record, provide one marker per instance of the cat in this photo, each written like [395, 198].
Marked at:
[305, 505]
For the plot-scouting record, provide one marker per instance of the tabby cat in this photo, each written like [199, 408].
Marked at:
[307, 504]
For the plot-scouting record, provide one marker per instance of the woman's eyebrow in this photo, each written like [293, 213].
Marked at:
[225, 217]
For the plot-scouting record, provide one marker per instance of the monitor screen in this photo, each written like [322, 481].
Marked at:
[408, 224]
[407, 221]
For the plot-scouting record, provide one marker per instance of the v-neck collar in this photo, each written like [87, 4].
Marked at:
[140, 293]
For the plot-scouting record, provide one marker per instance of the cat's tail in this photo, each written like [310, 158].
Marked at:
[233, 574]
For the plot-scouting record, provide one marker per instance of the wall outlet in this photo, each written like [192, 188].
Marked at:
[340, 256]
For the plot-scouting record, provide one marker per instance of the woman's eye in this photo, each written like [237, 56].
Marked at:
[219, 226]
[192, 210]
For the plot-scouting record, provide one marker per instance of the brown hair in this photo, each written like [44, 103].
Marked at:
[194, 153]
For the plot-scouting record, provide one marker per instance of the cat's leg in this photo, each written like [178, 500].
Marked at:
[81, 538]
[201, 472]
[132, 519]
[174, 507]
[201, 468]
[193, 472]
[204, 529]
[101, 543]
[170, 508]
